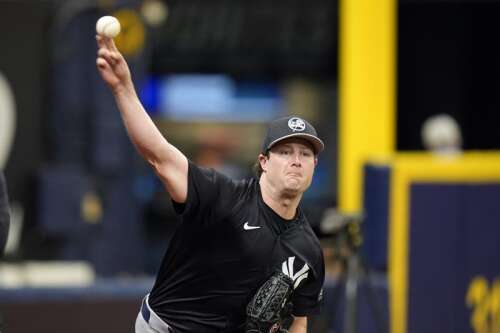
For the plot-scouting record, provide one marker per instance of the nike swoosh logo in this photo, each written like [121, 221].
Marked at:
[249, 227]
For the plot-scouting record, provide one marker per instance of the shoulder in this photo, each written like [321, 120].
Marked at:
[235, 193]
[311, 243]
[215, 176]
[309, 232]
[219, 187]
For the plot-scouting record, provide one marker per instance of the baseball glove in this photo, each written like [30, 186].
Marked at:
[270, 305]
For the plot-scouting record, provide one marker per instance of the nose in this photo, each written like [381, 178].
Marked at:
[296, 160]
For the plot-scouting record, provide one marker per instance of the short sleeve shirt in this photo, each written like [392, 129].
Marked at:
[226, 247]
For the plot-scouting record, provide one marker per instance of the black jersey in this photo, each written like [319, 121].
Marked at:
[228, 244]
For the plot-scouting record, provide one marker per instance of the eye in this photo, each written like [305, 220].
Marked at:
[284, 152]
[307, 153]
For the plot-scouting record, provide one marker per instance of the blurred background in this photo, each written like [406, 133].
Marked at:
[405, 200]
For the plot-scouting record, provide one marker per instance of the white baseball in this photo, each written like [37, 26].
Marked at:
[108, 26]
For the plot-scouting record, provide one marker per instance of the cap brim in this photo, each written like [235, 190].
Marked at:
[315, 141]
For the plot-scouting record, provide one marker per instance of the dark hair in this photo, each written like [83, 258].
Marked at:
[257, 168]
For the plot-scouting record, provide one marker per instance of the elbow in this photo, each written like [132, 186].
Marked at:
[158, 166]
[153, 159]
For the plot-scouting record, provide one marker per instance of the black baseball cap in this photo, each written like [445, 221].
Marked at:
[291, 127]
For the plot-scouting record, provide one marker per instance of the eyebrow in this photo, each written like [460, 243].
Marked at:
[301, 146]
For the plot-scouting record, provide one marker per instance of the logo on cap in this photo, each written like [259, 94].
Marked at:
[296, 124]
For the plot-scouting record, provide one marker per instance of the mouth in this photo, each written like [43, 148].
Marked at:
[293, 174]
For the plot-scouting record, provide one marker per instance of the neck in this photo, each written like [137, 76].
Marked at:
[283, 204]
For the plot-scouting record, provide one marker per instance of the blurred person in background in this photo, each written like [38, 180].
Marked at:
[441, 135]
[4, 213]
[213, 153]
[235, 235]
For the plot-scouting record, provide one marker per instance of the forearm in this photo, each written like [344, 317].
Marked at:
[299, 325]
[168, 162]
[141, 129]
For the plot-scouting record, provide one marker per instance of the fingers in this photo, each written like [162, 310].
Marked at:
[100, 41]
[111, 44]
[106, 42]
[102, 64]
[103, 41]
[111, 57]
[107, 50]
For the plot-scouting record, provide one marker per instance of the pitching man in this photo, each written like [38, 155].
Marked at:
[244, 257]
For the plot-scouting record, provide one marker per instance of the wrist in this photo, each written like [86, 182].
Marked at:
[122, 90]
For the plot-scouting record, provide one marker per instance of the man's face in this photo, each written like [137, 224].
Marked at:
[290, 166]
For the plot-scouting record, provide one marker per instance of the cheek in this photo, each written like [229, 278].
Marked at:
[275, 168]
[310, 169]
[278, 166]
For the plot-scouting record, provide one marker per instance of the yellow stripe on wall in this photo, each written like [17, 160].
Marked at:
[409, 168]
[367, 90]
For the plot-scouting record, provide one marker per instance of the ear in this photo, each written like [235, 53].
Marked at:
[263, 161]
[315, 160]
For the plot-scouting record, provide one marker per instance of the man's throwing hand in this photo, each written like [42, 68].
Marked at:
[112, 66]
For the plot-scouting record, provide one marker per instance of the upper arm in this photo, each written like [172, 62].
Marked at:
[172, 169]
[299, 325]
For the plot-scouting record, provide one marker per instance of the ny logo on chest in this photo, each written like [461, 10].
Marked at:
[288, 269]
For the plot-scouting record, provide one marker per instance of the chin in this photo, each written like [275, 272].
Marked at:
[291, 193]
[294, 190]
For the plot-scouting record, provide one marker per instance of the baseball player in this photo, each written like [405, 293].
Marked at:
[244, 258]
[4, 213]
